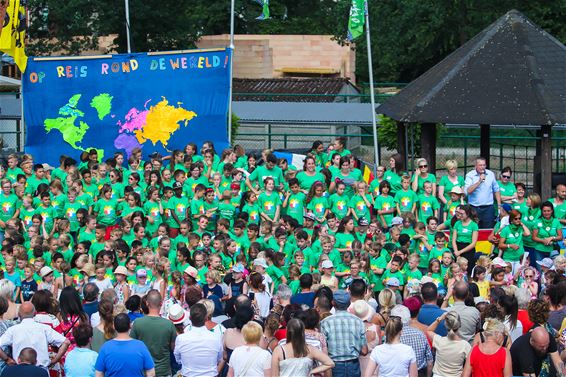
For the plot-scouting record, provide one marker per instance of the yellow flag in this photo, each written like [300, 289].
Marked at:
[12, 38]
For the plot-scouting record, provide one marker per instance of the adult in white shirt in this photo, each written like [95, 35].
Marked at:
[392, 359]
[198, 350]
[250, 359]
[33, 335]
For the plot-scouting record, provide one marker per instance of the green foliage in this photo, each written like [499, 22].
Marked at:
[235, 125]
[408, 36]
[387, 135]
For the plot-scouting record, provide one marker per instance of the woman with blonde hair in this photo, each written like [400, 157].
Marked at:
[392, 358]
[489, 358]
[387, 301]
[421, 176]
[451, 350]
[449, 181]
[250, 359]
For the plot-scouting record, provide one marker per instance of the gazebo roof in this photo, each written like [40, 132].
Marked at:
[511, 73]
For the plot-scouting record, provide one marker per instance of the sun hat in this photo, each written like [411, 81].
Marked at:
[141, 273]
[457, 190]
[362, 310]
[89, 269]
[191, 271]
[45, 270]
[176, 314]
[121, 270]
[499, 262]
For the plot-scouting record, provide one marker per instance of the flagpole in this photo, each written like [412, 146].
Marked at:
[232, 6]
[372, 91]
[127, 6]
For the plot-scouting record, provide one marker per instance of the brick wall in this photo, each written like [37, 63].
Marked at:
[263, 56]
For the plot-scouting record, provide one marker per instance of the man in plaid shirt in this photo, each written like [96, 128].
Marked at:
[345, 337]
[415, 339]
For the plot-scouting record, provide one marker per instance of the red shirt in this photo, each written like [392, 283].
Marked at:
[523, 317]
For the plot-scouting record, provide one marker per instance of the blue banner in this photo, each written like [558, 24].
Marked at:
[158, 102]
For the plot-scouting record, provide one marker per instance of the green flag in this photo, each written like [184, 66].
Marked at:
[357, 19]
[265, 11]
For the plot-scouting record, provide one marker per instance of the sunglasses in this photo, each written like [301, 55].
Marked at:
[423, 166]
[529, 276]
[506, 176]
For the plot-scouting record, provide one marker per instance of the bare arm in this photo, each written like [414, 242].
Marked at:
[325, 361]
[467, 372]
[508, 369]
[413, 372]
[371, 368]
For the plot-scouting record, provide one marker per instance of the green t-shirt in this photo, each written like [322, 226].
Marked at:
[197, 208]
[349, 180]
[12, 174]
[227, 211]
[513, 235]
[157, 334]
[152, 211]
[253, 212]
[465, 232]
[359, 206]
[25, 216]
[507, 189]
[339, 205]
[546, 228]
[70, 213]
[48, 215]
[388, 275]
[406, 200]
[9, 204]
[318, 206]
[530, 219]
[448, 185]
[394, 180]
[106, 211]
[179, 207]
[560, 210]
[269, 203]
[344, 240]
[385, 203]
[429, 178]
[191, 183]
[426, 207]
[307, 181]
[296, 206]
[276, 274]
[418, 247]
[262, 172]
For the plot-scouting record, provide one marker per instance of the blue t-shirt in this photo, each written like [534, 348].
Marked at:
[80, 362]
[306, 298]
[428, 314]
[124, 358]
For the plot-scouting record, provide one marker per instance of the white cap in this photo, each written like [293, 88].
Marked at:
[327, 264]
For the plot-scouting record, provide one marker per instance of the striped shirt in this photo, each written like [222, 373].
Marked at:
[345, 335]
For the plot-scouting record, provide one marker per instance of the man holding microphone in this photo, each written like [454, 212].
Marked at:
[480, 187]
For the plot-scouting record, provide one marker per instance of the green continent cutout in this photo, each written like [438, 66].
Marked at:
[102, 103]
[71, 133]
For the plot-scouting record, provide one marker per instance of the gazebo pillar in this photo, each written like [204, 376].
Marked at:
[402, 141]
[428, 145]
[543, 163]
[485, 143]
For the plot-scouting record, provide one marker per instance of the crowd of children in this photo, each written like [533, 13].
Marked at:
[213, 221]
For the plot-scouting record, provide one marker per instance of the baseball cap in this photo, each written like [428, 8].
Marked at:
[546, 262]
[260, 262]
[238, 268]
[45, 270]
[362, 221]
[121, 270]
[235, 186]
[191, 271]
[426, 279]
[309, 216]
[393, 282]
[342, 297]
[327, 264]
[499, 262]
[402, 312]
[397, 221]
[141, 273]
[177, 185]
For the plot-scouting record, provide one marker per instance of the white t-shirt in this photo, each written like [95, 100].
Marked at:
[393, 360]
[257, 358]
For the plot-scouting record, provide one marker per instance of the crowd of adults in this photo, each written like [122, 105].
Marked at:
[198, 264]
